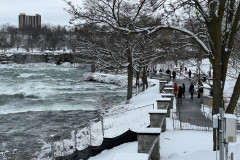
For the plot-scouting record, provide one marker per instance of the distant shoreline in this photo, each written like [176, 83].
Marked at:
[22, 58]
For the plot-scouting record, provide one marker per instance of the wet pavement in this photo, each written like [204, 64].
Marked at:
[189, 109]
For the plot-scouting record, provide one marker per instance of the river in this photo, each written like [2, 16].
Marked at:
[38, 100]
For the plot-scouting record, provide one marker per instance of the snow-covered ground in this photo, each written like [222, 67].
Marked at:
[174, 144]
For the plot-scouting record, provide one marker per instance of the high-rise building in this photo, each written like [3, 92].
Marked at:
[29, 21]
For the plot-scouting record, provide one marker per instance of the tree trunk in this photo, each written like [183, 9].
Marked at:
[235, 96]
[217, 98]
[144, 79]
[130, 74]
[137, 80]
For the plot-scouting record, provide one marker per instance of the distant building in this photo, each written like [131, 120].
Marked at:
[29, 21]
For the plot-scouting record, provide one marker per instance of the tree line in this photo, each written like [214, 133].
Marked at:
[46, 38]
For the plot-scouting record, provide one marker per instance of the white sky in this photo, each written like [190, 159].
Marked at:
[52, 11]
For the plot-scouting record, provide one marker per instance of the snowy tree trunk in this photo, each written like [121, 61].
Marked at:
[130, 74]
[235, 96]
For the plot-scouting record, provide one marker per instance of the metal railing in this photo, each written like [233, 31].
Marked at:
[192, 121]
[152, 147]
[155, 141]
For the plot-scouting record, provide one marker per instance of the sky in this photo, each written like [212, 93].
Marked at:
[51, 11]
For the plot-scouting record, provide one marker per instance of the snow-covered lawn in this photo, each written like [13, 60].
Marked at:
[175, 145]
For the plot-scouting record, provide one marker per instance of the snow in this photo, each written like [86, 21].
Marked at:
[106, 78]
[177, 144]
[11, 51]
[230, 116]
[131, 156]
[158, 111]
[185, 31]
[120, 80]
[134, 115]
[149, 130]
[168, 88]
[167, 94]
[164, 99]
[126, 151]
[162, 81]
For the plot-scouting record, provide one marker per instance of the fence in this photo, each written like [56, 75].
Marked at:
[189, 121]
[108, 143]
[192, 121]
[67, 141]
[103, 127]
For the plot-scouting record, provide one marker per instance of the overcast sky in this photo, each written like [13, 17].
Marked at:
[51, 11]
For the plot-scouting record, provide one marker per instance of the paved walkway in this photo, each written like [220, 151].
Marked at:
[190, 109]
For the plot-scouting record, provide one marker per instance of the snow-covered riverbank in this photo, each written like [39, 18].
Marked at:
[174, 144]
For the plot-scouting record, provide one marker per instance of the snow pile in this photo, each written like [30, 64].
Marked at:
[120, 80]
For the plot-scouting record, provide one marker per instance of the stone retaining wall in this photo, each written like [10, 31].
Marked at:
[145, 141]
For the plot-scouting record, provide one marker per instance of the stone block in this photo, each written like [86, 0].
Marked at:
[158, 117]
[149, 139]
[168, 90]
[169, 95]
[162, 103]
[161, 86]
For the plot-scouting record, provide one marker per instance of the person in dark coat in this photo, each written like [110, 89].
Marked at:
[190, 73]
[174, 74]
[168, 71]
[183, 89]
[180, 93]
[191, 89]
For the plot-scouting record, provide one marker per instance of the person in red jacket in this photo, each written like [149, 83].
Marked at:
[175, 89]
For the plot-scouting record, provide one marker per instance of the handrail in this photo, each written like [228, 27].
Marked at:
[162, 122]
[152, 147]
[130, 110]
[155, 141]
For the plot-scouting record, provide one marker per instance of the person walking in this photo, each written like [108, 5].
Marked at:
[200, 91]
[183, 90]
[180, 93]
[175, 89]
[191, 89]
[173, 74]
[185, 69]
[190, 73]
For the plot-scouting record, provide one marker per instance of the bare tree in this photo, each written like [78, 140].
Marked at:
[120, 15]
